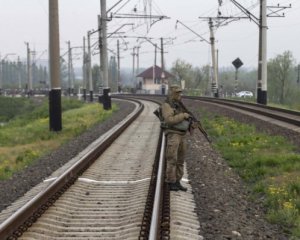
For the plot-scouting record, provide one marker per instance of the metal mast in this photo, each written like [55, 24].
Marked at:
[104, 59]
[214, 84]
[262, 55]
[55, 115]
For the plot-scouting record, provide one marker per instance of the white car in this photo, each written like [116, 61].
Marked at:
[244, 94]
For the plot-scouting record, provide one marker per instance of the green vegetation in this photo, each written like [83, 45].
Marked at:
[30, 108]
[14, 73]
[293, 106]
[283, 85]
[12, 107]
[269, 164]
[26, 137]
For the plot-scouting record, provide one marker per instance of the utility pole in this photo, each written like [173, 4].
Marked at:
[84, 70]
[19, 73]
[163, 76]
[55, 115]
[29, 71]
[162, 53]
[133, 66]
[137, 64]
[71, 73]
[298, 79]
[69, 67]
[118, 75]
[217, 67]
[214, 83]
[162, 56]
[155, 53]
[106, 89]
[262, 52]
[72, 76]
[33, 67]
[113, 75]
[89, 65]
[101, 59]
[262, 55]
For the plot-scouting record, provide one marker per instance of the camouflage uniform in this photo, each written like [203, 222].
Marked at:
[173, 114]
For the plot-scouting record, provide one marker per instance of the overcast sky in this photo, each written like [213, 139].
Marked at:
[27, 21]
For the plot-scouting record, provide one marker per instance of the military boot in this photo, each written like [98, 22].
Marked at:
[180, 187]
[173, 187]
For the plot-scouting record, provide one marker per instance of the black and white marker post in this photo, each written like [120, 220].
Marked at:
[55, 116]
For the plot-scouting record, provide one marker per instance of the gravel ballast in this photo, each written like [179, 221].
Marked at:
[224, 206]
[222, 200]
[24, 180]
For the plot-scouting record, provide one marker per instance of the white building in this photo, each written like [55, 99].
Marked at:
[154, 80]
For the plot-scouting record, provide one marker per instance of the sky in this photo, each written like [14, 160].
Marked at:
[27, 21]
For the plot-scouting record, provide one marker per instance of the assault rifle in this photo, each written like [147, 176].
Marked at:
[193, 119]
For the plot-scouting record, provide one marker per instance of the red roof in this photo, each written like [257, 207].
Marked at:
[148, 73]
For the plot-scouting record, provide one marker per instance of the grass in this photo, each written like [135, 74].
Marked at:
[26, 137]
[269, 164]
[12, 107]
[293, 106]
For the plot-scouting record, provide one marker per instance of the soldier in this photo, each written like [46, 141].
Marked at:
[176, 126]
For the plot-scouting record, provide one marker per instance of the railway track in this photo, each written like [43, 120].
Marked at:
[103, 193]
[114, 195]
[282, 117]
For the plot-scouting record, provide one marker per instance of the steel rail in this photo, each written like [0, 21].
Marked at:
[20, 221]
[285, 115]
[155, 214]
[232, 101]
[155, 219]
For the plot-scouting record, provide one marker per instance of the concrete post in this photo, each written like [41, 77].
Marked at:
[55, 115]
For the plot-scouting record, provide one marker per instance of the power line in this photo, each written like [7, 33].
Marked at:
[202, 38]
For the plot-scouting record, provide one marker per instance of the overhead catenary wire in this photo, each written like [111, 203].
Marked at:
[157, 9]
[181, 36]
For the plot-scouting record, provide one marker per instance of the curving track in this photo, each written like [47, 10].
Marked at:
[282, 117]
[107, 200]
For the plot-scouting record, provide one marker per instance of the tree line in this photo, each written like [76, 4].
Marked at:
[283, 79]
[14, 75]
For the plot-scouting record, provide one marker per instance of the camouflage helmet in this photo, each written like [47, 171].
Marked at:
[173, 92]
[175, 89]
